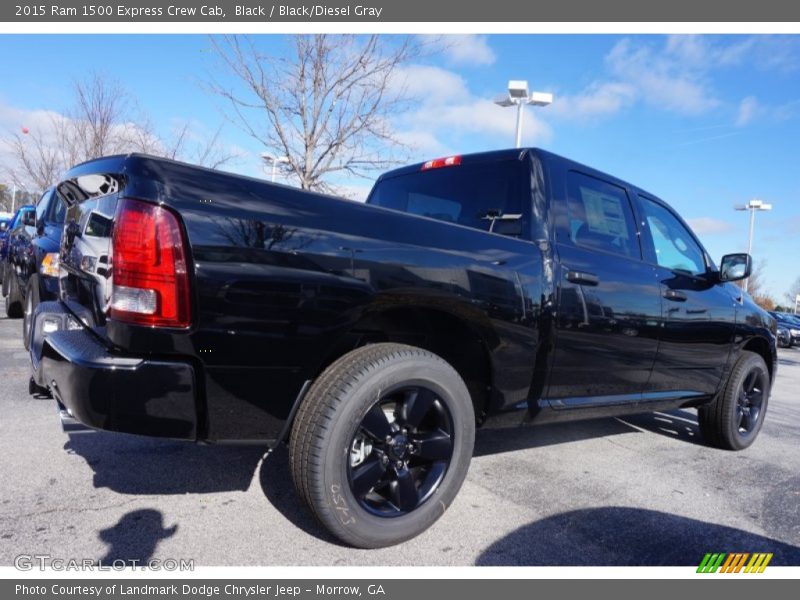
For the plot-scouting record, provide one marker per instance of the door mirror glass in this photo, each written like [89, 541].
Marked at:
[735, 267]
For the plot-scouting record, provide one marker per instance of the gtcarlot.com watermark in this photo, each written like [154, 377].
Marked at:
[43, 562]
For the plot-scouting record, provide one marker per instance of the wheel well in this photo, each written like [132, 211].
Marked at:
[761, 347]
[434, 330]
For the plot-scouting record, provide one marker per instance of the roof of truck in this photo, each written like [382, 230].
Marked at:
[520, 153]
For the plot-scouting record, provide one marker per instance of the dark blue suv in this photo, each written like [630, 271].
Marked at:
[7, 225]
[25, 215]
[31, 263]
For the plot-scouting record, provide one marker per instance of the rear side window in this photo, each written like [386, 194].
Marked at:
[675, 247]
[474, 195]
[600, 216]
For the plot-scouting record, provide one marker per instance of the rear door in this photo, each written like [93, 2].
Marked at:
[608, 305]
[699, 315]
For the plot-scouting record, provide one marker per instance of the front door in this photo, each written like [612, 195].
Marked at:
[699, 315]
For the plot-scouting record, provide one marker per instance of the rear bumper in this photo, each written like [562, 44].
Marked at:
[118, 393]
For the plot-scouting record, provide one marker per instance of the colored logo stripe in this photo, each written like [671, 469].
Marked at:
[758, 563]
[710, 563]
[733, 562]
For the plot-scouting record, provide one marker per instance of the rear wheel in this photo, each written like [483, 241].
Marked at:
[13, 299]
[382, 443]
[733, 420]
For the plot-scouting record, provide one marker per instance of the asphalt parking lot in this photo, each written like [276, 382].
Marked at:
[641, 490]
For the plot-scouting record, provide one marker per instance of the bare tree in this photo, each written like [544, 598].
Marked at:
[103, 120]
[793, 293]
[755, 286]
[39, 160]
[326, 104]
[205, 151]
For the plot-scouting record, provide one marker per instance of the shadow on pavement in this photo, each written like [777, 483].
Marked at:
[131, 464]
[677, 424]
[496, 441]
[133, 540]
[276, 483]
[626, 536]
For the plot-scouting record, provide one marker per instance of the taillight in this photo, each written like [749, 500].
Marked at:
[149, 267]
[438, 163]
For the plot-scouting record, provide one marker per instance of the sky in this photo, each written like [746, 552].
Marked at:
[703, 122]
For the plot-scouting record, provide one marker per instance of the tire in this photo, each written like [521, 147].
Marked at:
[13, 300]
[6, 274]
[34, 389]
[349, 432]
[31, 302]
[734, 418]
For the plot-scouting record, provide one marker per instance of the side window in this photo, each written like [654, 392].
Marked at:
[675, 247]
[58, 211]
[600, 216]
[42, 206]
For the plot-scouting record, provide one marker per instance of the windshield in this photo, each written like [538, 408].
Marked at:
[483, 195]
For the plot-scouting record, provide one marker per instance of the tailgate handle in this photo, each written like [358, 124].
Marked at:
[675, 296]
[582, 278]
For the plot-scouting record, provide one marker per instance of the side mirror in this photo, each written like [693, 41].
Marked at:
[29, 218]
[735, 267]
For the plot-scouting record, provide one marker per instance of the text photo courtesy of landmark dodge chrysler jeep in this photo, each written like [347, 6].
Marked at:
[500, 288]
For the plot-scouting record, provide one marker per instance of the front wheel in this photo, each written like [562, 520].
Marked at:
[31, 302]
[382, 443]
[734, 418]
[13, 298]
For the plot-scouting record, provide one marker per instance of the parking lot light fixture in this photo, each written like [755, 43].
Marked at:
[275, 160]
[753, 206]
[518, 95]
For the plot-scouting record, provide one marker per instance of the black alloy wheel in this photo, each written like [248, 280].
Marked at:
[382, 442]
[734, 418]
[400, 452]
[751, 398]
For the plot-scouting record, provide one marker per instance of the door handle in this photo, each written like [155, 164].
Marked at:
[675, 296]
[582, 278]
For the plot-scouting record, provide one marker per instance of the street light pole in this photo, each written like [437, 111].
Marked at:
[752, 206]
[518, 142]
[267, 157]
[519, 96]
[750, 235]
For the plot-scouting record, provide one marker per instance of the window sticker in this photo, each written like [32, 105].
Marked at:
[604, 213]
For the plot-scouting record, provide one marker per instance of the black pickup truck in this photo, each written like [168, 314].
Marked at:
[499, 288]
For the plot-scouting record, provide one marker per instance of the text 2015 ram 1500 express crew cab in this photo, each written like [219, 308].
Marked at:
[497, 288]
